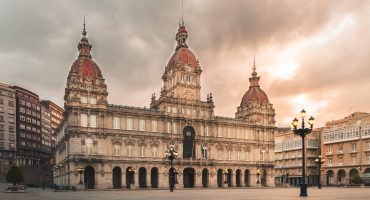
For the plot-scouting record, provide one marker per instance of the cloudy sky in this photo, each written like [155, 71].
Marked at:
[309, 54]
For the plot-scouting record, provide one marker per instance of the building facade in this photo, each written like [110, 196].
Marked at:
[28, 127]
[51, 118]
[8, 128]
[114, 146]
[45, 132]
[288, 157]
[346, 147]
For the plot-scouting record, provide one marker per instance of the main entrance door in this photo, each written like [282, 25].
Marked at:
[89, 177]
[188, 143]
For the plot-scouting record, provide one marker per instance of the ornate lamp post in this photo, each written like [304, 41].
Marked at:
[319, 161]
[171, 154]
[302, 132]
[225, 172]
[258, 173]
[80, 170]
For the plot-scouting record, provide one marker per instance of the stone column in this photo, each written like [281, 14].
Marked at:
[233, 179]
[136, 180]
[148, 179]
[123, 179]
[180, 179]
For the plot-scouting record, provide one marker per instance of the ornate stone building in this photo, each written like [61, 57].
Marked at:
[100, 145]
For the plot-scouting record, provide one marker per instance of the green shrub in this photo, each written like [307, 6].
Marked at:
[357, 180]
[14, 175]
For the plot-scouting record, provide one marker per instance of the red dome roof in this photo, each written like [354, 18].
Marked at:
[185, 56]
[86, 69]
[254, 94]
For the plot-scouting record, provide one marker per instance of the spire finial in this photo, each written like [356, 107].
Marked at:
[84, 30]
[182, 12]
[254, 73]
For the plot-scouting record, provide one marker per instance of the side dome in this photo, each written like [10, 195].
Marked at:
[254, 94]
[183, 56]
[84, 67]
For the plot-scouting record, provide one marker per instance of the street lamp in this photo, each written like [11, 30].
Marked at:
[171, 154]
[302, 132]
[319, 161]
[225, 172]
[80, 170]
[258, 176]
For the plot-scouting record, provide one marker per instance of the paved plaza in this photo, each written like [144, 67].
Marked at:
[193, 194]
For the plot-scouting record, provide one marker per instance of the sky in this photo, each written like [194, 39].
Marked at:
[309, 54]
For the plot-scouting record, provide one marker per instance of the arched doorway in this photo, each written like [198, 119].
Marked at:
[238, 176]
[130, 173]
[89, 177]
[329, 177]
[341, 177]
[229, 178]
[116, 177]
[367, 170]
[142, 177]
[189, 177]
[154, 177]
[205, 177]
[264, 178]
[219, 177]
[189, 143]
[246, 178]
[352, 174]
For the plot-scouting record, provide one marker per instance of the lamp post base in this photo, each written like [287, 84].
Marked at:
[303, 190]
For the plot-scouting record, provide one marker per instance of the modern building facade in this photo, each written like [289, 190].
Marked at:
[28, 127]
[8, 127]
[288, 157]
[46, 147]
[115, 146]
[346, 147]
[51, 118]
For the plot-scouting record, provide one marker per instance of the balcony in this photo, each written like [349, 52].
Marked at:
[329, 153]
[340, 152]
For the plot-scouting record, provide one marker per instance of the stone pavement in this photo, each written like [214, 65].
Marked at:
[193, 194]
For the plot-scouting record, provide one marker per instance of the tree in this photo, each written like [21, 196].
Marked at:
[14, 175]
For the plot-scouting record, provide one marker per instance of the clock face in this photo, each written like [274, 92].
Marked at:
[188, 133]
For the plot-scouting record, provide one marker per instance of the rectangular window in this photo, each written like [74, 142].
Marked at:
[93, 121]
[174, 128]
[354, 159]
[92, 100]
[154, 151]
[83, 99]
[219, 154]
[116, 123]
[129, 124]
[141, 125]
[116, 150]
[340, 160]
[11, 111]
[229, 154]
[154, 126]
[330, 148]
[129, 150]
[353, 146]
[142, 151]
[83, 120]
[168, 127]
